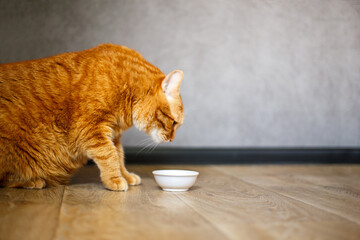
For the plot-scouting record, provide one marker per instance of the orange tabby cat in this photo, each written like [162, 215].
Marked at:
[57, 112]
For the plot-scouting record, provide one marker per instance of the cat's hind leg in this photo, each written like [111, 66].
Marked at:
[35, 183]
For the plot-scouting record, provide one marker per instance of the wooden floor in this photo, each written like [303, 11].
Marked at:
[227, 202]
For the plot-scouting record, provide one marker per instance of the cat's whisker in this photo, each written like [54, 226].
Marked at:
[143, 142]
[142, 149]
[147, 146]
[153, 147]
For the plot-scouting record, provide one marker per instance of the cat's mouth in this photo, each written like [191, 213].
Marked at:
[156, 136]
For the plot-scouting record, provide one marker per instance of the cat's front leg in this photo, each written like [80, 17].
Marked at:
[105, 155]
[131, 178]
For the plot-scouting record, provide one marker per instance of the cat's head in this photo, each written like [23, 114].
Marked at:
[161, 113]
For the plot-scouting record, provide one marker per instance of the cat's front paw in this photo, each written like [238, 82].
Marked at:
[133, 179]
[116, 184]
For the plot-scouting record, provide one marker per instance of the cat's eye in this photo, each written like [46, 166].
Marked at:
[174, 123]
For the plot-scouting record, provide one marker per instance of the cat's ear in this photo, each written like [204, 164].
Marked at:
[171, 83]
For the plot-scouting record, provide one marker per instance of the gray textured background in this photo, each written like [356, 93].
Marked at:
[258, 73]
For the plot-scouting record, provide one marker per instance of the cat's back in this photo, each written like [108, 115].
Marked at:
[123, 58]
[38, 71]
[67, 68]
[43, 86]
[35, 92]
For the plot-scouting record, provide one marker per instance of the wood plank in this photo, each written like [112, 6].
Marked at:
[333, 192]
[144, 212]
[227, 202]
[300, 230]
[29, 214]
[244, 211]
[318, 170]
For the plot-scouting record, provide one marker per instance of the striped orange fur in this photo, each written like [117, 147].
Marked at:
[57, 112]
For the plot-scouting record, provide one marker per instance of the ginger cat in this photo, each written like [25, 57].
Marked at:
[57, 112]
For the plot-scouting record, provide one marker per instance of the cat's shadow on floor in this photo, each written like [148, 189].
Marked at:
[86, 174]
[91, 174]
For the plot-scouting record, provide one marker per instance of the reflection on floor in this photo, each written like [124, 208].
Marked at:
[227, 202]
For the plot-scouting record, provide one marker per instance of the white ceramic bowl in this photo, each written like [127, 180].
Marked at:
[175, 180]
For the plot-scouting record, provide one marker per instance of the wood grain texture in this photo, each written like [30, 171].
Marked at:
[333, 189]
[29, 214]
[227, 202]
[144, 212]
[242, 210]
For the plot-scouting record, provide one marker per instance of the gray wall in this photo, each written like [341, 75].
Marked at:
[258, 73]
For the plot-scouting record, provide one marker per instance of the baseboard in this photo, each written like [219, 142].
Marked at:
[243, 156]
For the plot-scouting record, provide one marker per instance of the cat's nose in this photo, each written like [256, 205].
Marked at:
[172, 136]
